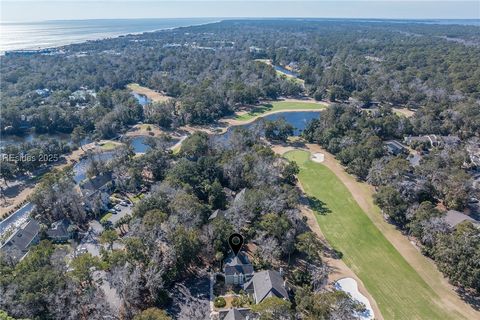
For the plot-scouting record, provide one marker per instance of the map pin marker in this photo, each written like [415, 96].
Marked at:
[236, 242]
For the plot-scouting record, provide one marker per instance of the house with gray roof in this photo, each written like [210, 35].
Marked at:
[17, 246]
[454, 218]
[59, 231]
[96, 191]
[237, 269]
[394, 147]
[235, 314]
[265, 284]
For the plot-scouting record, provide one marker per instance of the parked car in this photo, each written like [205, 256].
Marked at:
[82, 250]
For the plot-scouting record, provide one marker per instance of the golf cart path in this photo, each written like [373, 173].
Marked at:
[363, 195]
[339, 268]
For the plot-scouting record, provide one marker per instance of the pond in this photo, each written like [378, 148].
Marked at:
[299, 120]
[286, 71]
[80, 168]
[32, 136]
[139, 144]
[141, 98]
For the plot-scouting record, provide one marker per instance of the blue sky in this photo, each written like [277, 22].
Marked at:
[39, 10]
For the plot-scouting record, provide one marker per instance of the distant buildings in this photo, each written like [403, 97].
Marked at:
[48, 51]
[17, 246]
[254, 49]
[43, 92]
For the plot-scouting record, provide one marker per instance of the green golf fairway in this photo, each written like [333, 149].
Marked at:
[279, 106]
[396, 287]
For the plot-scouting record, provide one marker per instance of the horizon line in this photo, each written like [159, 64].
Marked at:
[248, 18]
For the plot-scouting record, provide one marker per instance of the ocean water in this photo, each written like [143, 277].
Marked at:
[47, 34]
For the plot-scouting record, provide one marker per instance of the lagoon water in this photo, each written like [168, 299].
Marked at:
[299, 120]
[47, 34]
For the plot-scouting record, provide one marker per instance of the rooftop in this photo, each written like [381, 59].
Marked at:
[59, 229]
[394, 146]
[453, 218]
[266, 284]
[90, 186]
[237, 264]
[234, 314]
[17, 245]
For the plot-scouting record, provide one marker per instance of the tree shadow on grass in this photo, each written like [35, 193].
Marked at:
[318, 205]
[260, 109]
[333, 253]
[469, 297]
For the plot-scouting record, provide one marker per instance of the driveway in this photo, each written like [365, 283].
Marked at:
[119, 215]
[90, 242]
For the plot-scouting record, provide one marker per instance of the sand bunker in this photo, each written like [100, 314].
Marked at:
[318, 157]
[350, 286]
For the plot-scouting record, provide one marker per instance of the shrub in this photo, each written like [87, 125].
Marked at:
[237, 302]
[219, 302]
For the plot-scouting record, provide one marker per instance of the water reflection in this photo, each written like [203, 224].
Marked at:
[299, 121]
[142, 99]
[80, 168]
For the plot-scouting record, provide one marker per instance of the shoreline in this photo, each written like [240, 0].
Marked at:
[113, 36]
[233, 122]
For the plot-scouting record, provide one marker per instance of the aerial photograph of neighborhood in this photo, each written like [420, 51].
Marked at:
[239, 160]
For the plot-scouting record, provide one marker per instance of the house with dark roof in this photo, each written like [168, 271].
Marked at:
[265, 284]
[96, 191]
[394, 147]
[235, 314]
[237, 269]
[59, 231]
[454, 218]
[414, 141]
[16, 247]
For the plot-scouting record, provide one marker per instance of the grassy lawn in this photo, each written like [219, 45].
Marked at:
[105, 218]
[398, 290]
[177, 149]
[149, 93]
[279, 106]
[137, 197]
[107, 146]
